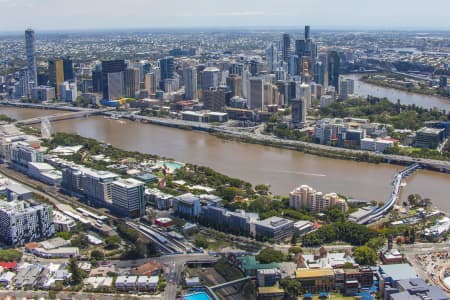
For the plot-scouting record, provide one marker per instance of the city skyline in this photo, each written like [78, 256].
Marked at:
[347, 14]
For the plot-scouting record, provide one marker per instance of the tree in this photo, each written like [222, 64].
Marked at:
[348, 265]
[77, 273]
[295, 250]
[270, 255]
[365, 256]
[112, 242]
[201, 242]
[376, 243]
[64, 235]
[97, 255]
[291, 286]
[294, 238]
[10, 255]
[80, 241]
[262, 189]
[412, 200]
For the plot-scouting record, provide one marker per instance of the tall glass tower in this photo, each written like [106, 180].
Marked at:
[30, 50]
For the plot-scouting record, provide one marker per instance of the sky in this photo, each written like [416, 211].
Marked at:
[16, 15]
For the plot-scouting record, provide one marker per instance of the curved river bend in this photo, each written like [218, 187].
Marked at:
[282, 169]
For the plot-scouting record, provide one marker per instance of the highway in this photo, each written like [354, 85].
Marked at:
[256, 135]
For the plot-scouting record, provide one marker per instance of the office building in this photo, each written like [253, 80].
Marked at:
[151, 82]
[242, 222]
[286, 47]
[256, 93]
[298, 109]
[96, 185]
[187, 206]
[271, 57]
[69, 74]
[128, 197]
[378, 145]
[300, 47]
[167, 69]
[190, 83]
[30, 51]
[22, 153]
[24, 87]
[326, 100]
[274, 228]
[327, 131]
[316, 280]
[307, 32]
[346, 88]
[97, 81]
[71, 179]
[430, 138]
[56, 74]
[68, 91]
[113, 79]
[303, 92]
[21, 223]
[215, 99]
[131, 82]
[234, 82]
[333, 69]
[210, 78]
[43, 93]
[294, 64]
[268, 277]
[416, 289]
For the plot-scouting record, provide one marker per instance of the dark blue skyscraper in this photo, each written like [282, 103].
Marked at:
[30, 51]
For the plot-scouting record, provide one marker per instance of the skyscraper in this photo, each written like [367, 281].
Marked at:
[68, 69]
[30, 50]
[333, 69]
[112, 78]
[190, 83]
[210, 78]
[256, 93]
[128, 197]
[286, 47]
[307, 32]
[234, 82]
[215, 99]
[131, 82]
[151, 82]
[56, 74]
[167, 66]
[271, 57]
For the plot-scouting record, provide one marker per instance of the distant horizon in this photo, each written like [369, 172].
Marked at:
[57, 15]
[232, 28]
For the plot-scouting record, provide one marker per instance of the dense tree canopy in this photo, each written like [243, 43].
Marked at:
[270, 255]
[352, 233]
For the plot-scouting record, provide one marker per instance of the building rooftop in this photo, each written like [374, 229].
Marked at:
[274, 222]
[268, 290]
[187, 198]
[308, 273]
[250, 263]
[18, 189]
[434, 131]
[398, 271]
[417, 289]
[128, 183]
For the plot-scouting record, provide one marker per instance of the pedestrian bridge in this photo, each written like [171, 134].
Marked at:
[389, 204]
